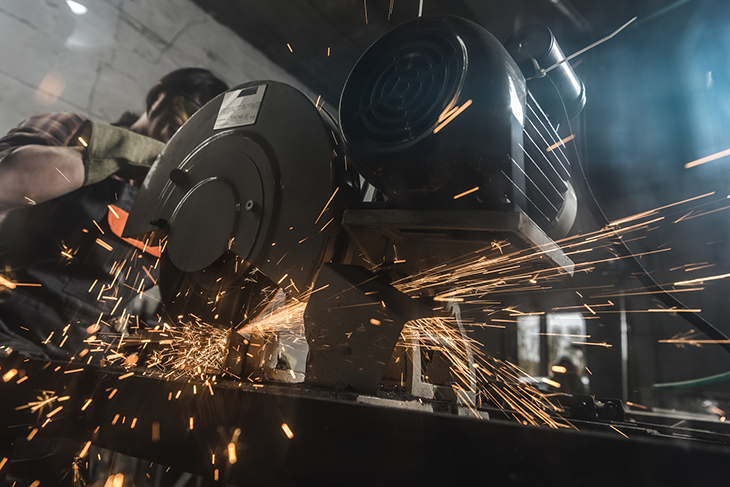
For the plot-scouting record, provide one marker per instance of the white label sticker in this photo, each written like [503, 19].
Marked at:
[240, 107]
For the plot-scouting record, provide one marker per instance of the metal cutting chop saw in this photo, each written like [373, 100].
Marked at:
[444, 146]
[261, 190]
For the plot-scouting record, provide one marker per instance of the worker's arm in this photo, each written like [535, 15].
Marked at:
[36, 173]
[33, 174]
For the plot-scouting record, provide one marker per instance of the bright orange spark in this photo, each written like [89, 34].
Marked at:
[709, 158]
[6, 283]
[104, 245]
[618, 431]
[97, 226]
[701, 279]
[562, 142]
[602, 344]
[85, 449]
[232, 453]
[686, 341]
[646, 213]
[447, 113]
[452, 116]
[466, 192]
[10, 374]
[446, 299]
[327, 205]
[287, 430]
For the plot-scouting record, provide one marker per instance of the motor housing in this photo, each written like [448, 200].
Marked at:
[437, 116]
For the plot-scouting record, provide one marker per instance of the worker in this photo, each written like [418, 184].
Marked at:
[67, 276]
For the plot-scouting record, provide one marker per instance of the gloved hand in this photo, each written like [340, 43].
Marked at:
[114, 150]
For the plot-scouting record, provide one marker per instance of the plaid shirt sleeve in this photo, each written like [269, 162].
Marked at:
[51, 129]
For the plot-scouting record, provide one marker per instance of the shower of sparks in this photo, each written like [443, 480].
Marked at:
[196, 348]
[288, 318]
[199, 349]
[511, 270]
[645, 214]
[495, 380]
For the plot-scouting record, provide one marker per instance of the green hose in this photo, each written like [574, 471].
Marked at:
[702, 381]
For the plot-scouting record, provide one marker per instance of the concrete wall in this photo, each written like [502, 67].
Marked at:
[102, 62]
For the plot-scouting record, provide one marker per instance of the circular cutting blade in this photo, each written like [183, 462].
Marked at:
[228, 292]
[253, 179]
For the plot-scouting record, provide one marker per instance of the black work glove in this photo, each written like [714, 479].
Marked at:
[114, 150]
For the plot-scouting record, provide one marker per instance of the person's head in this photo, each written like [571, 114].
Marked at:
[173, 99]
